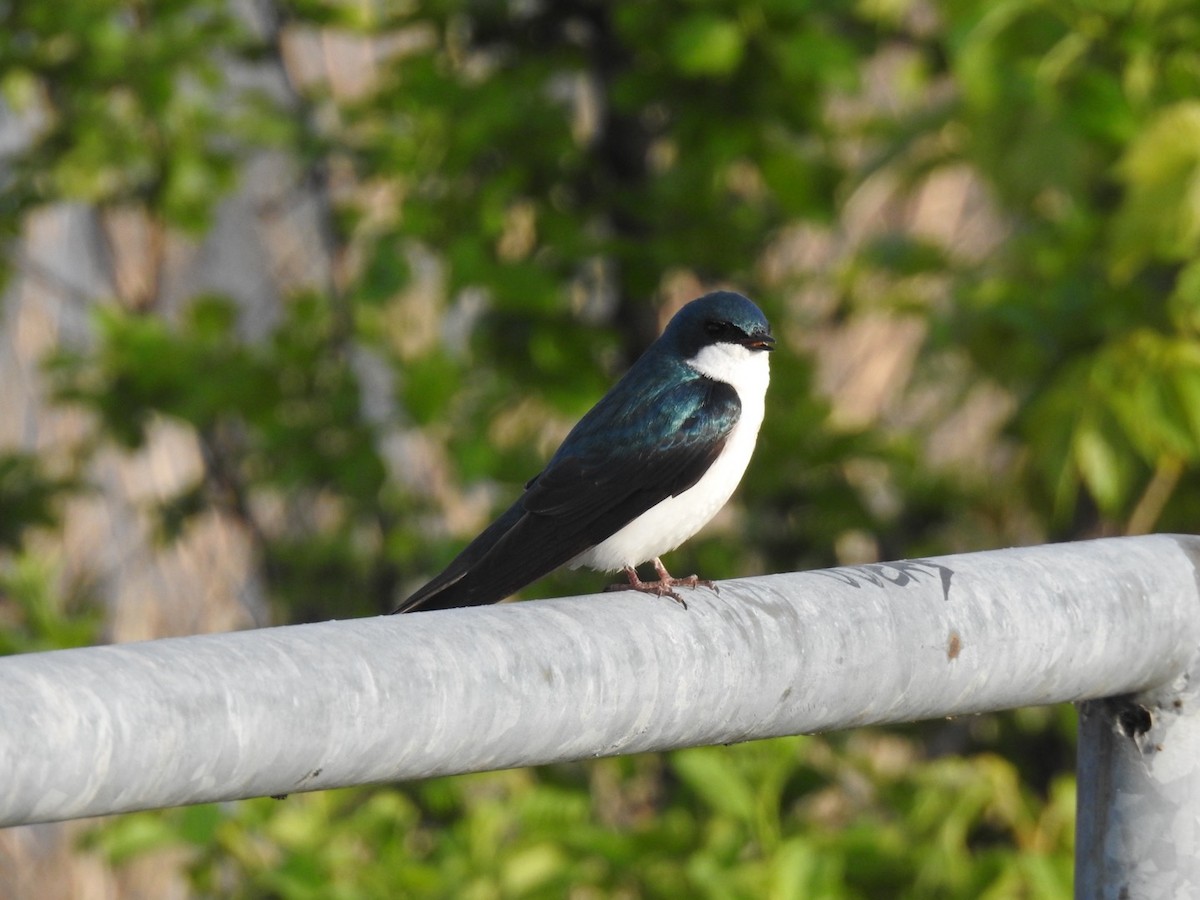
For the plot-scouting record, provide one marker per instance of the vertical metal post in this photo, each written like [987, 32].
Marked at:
[1138, 811]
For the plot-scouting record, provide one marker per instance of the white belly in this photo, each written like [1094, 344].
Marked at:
[667, 525]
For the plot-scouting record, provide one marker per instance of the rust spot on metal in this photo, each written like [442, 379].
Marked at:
[954, 645]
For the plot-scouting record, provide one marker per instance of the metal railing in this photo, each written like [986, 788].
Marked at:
[307, 707]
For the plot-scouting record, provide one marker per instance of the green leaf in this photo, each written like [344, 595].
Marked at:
[1159, 218]
[1103, 466]
[1184, 302]
[706, 45]
[710, 772]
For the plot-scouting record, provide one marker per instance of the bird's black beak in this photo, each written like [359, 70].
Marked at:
[759, 342]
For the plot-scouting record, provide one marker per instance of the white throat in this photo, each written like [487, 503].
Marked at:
[746, 371]
[667, 525]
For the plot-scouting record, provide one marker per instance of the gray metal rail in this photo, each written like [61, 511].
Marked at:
[306, 707]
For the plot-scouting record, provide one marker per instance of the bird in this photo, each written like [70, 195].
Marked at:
[640, 473]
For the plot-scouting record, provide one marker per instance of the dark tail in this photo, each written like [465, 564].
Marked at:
[461, 584]
[515, 550]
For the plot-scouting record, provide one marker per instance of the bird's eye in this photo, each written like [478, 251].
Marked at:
[716, 328]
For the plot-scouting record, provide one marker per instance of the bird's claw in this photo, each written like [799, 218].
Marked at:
[650, 587]
[695, 581]
[663, 587]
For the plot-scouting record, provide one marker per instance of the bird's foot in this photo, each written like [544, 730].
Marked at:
[662, 587]
[692, 581]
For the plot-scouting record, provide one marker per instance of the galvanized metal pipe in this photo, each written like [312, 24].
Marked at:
[1138, 809]
[279, 710]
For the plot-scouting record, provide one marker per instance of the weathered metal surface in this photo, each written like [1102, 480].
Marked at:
[273, 711]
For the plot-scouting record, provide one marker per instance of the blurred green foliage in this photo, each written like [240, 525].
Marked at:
[124, 95]
[789, 818]
[560, 163]
[29, 497]
[34, 613]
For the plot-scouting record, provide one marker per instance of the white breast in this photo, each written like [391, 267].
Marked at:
[667, 525]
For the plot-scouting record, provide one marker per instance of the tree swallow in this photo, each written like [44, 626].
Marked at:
[640, 473]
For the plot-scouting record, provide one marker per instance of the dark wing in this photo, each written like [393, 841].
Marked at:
[590, 490]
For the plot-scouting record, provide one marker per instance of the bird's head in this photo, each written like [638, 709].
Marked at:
[721, 317]
[720, 334]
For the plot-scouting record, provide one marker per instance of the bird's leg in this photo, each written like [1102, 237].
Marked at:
[662, 587]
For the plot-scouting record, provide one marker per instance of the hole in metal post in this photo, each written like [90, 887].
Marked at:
[1134, 720]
